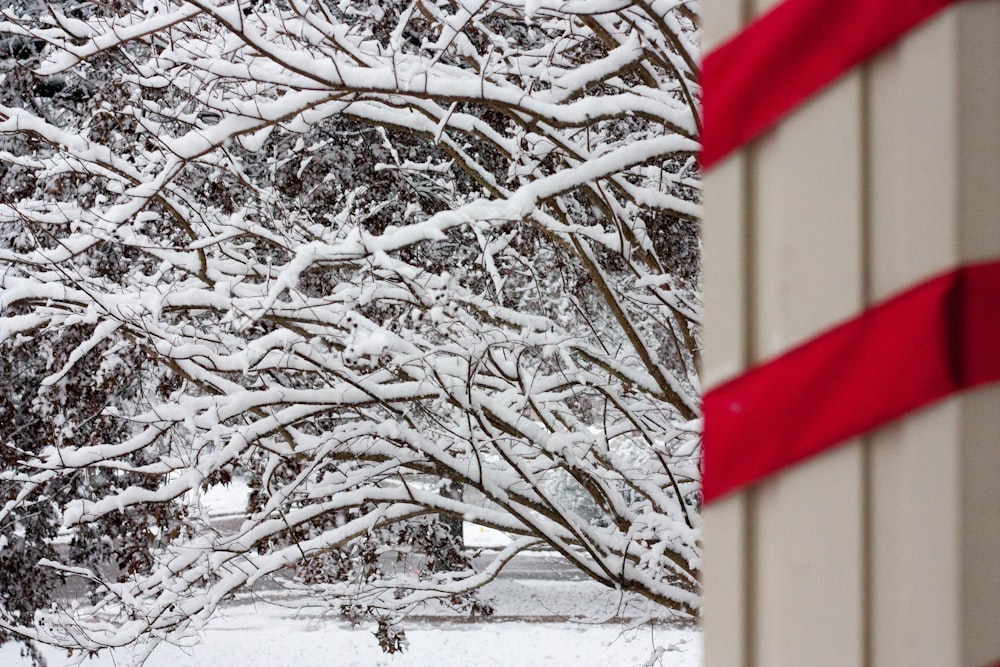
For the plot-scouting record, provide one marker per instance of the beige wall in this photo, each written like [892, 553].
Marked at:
[885, 551]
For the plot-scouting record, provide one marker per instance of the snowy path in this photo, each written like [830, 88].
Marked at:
[266, 637]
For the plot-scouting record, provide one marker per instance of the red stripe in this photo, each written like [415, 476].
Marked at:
[933, 340]
[787, 55]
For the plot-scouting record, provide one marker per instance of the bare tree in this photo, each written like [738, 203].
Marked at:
[358, 253]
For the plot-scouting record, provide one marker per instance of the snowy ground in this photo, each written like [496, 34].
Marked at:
[537, 625]
[543, 619]
[265, 637]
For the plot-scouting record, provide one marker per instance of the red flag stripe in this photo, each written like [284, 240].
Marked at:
[931, 341]
[789, 54]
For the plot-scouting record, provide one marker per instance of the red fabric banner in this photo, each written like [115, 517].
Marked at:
[787, 55]
[933, 340]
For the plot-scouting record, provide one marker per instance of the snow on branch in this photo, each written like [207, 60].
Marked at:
[393, 264]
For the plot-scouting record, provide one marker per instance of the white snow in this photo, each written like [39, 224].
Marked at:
[226, 500]
[478, 537]
[540, 622]
[223, 500]
[264, 636]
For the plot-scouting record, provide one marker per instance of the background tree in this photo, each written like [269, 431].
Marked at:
[356, 253]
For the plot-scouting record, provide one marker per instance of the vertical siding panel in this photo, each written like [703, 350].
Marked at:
[804, 564]
[723, 234]
[725, 583]
[979, 238]
[980, 526]
[936, 203]
[914, 563]
[979, 129]
[724, 279]
[724, 598]
[979, 431]
[915, 468]
[808, 527]
[913, 161]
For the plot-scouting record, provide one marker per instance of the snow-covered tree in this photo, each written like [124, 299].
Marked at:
[388, 261]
